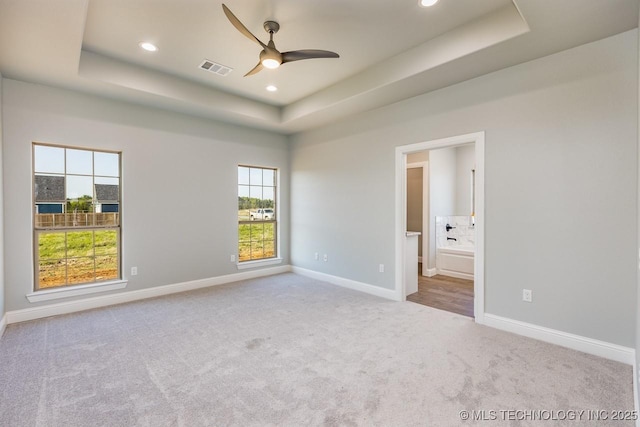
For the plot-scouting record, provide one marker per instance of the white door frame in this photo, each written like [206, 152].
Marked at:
[401, 212]
[425, 212]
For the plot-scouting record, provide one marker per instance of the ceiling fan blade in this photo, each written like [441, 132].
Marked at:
[297, 55]
[254, 70]
[240, 27]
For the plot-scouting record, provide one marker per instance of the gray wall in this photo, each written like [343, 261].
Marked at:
[637, 346]
[560, 186]
[179, 182]
[442, 192]
[2, 291]
[465, 162]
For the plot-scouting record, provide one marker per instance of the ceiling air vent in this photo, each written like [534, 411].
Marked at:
[215, 68]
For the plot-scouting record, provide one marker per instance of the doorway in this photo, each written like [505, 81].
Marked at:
[446, 244]
[418, 204]
[402, 154]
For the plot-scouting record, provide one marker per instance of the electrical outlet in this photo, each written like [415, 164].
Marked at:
[134, 271]
[316, 256]
[232, 258]
[527, 295]
[325, 258]
[381, 268]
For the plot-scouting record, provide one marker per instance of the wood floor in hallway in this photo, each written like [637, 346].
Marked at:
[444, 293]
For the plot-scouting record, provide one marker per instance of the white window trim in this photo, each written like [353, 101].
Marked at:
[243, 265]
[75, 290]
[70, 290]
[258, 263]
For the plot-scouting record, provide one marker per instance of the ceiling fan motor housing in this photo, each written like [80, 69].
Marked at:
[271, 27]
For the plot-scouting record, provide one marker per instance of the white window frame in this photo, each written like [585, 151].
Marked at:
[276, 259]
[82, 288]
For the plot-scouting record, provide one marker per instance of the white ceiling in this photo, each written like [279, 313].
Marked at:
[389, 50]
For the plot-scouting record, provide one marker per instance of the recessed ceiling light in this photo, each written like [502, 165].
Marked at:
[427, 3]
[272, 88]
[150, 47]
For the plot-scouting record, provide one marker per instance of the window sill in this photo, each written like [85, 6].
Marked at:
[259, 263]
[72, 291]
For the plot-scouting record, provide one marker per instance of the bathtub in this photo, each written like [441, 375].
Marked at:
[455, 261]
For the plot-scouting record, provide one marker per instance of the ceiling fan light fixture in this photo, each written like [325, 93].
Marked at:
[428, 3]
[270, 58]
[270, 63]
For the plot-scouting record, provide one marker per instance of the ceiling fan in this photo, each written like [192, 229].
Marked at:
[270, 57]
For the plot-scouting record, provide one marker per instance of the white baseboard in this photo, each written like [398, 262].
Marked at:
[105, 300]
[3, 324]
[456, 274]
[431, 272]
[564, 339]
[348, 283]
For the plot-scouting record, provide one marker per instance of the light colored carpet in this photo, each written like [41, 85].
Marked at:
[287, 350]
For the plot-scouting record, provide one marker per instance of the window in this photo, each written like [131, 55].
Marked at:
[76, 198]
[257, 219]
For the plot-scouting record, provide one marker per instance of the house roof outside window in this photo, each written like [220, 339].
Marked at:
[49, 188]
[107, 193]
